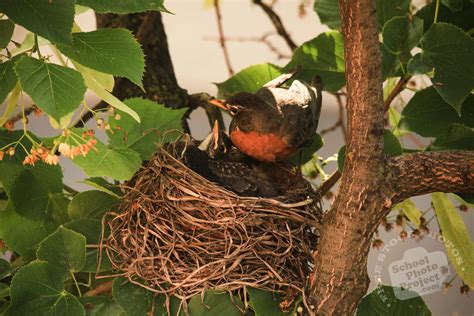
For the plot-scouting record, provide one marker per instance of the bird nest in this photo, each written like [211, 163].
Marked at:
[176, 233]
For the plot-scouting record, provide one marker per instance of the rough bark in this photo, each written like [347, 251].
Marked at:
[340, 265]
[427, 172]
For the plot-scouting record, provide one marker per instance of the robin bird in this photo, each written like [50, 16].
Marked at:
[274, 123]
[218, 161]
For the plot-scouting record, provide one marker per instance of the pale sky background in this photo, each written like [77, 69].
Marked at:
[198, 62]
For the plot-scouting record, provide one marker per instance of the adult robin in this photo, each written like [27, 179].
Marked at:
[274, 123]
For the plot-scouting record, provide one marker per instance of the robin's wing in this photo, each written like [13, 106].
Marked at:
[301, 108]
[281, 79]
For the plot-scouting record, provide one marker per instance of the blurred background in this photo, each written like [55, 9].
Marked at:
[251, 38]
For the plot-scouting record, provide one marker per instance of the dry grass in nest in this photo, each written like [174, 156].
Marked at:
[182, 234]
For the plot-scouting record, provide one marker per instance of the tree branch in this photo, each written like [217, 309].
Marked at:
[428, 172]
[277, 23]
[396, 91]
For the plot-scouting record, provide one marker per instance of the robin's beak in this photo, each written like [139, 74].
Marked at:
[220, 104]
[215, 135]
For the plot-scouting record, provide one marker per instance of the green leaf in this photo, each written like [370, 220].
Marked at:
[4, 292]
[6, 32]
[44, 198]
[10, 168]
[390, 63]
[102, 306]
[411, 211]
[215, 304]
[91, 204]
[402, 33]
[328, 12]
[55, 89]
[49, 19]
[382, 301]
[91, 229]
[8, 79]
[112, 51]
[4, 268]
[341, 158]
[308, 152]
[424, 108]
[449, 50]
[465, 198]
[387, 9]
[38, 289]
[101, 89]
[118, 163]
[416, 66]
[467, 111]
[323, 56]
[459, 245]
[249, 80]
[65, 248]
[113, 6]
[462, 19]
[457, 137]
[265, 303]
[154, 129]
[102, 185]
[391, 147]
[21, 234]
[453, 5]
[136, 300]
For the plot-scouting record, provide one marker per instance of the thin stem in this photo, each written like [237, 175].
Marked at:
[396, 91]
[329, 183]
[436, 11]
[69, 190]
[222, 38]
[77, 284]
[277, 23]
[37, 49]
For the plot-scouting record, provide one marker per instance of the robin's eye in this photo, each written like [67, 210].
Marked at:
[234, 109]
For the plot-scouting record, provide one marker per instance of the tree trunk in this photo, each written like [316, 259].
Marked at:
[340, 272]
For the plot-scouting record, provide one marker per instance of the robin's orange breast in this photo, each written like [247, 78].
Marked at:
[264, 147]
